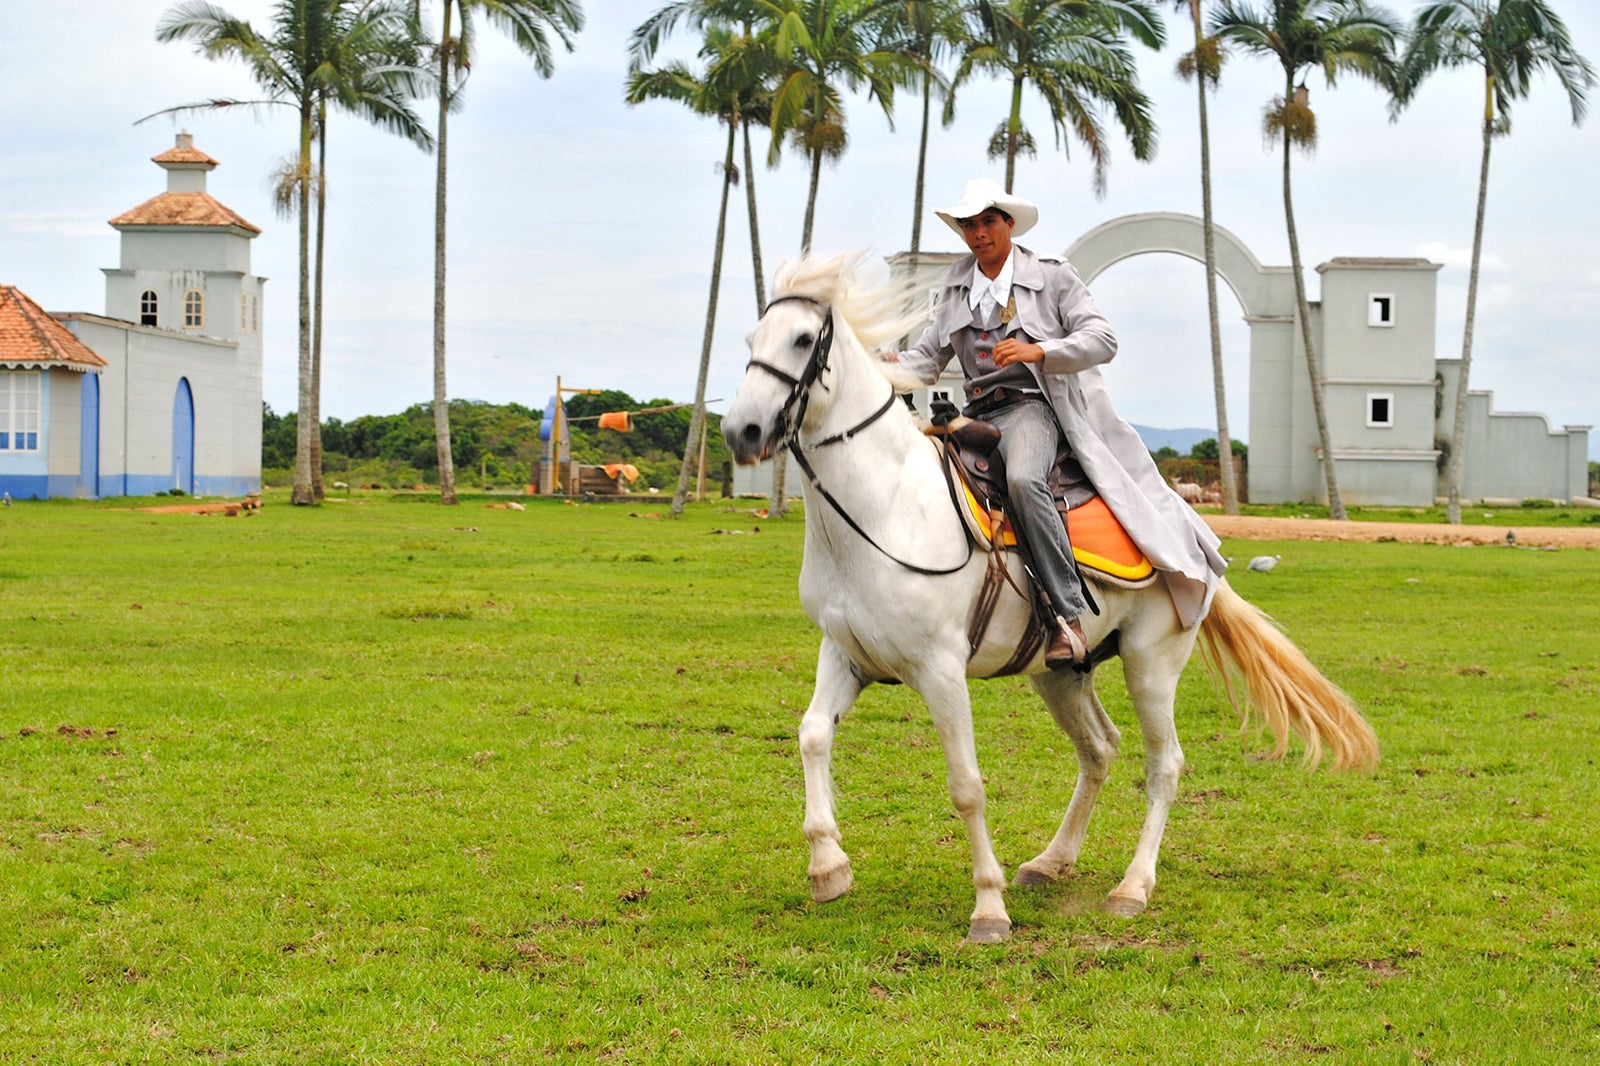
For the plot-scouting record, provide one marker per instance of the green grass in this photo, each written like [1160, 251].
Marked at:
[388, 782]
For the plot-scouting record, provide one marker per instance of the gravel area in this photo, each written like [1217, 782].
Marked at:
[1247, 527]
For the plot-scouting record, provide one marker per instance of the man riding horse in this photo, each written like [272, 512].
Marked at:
[1030, 341]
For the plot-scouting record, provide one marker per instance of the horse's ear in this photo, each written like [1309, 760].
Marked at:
[899, 376]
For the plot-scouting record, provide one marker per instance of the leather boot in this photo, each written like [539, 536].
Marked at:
[1068, 648]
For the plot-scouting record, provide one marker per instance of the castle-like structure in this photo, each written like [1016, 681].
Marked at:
[163, 390]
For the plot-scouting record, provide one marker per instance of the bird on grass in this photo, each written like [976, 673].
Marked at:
[1263, 563]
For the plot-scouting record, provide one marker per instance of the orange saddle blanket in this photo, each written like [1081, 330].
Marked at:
[1099, 542]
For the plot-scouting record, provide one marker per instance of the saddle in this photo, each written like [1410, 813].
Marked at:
[1101, 548]
[1099, 543]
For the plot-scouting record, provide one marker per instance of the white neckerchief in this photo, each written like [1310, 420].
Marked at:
[991, 294]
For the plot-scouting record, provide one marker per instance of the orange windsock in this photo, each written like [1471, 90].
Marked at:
[621, 421]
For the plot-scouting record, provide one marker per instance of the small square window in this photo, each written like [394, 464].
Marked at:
[1380, 309]
[1380, 409]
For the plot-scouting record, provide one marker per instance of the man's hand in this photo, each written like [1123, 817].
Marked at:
[1011, 350]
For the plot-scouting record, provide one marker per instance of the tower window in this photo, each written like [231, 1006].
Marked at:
[194, 309]
[1380, 309]
[244, 312]
[147, 307]
[1380, 409]
[19, 411]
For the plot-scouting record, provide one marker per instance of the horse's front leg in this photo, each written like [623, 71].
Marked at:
[950, 703]
[836, 689]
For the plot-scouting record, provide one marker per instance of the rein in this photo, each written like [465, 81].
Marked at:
[789, 435]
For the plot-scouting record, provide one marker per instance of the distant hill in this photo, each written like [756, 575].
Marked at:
[1180, 440]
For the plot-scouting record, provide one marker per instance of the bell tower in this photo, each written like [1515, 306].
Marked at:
[186, 259]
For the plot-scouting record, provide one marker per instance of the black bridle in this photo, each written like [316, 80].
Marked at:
[788, 427]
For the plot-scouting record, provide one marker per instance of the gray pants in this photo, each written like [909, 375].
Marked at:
[1029, 436]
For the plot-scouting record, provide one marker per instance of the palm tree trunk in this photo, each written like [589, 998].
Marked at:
[1013, 131]
[1230, 482]
[1458, 433]
[441, 404]
[302, 494]
[1313, 368]
[316, 312]
[778, 506]
[698, 418]
[755, 223]
[922, 173]
[811, 200]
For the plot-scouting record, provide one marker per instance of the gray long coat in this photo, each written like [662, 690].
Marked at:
[1056, 312]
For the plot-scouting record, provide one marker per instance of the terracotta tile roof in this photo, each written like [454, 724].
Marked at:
[29, 336]
[180, 154]
[183, 209]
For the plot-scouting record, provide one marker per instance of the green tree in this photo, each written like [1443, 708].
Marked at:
[1073, 54]
[1338, 36]
[530, 24]
[826, 48]
[1203, 65]
[314, 51]
[1509, 41]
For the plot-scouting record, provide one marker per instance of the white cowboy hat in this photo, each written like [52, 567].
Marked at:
[984, 193]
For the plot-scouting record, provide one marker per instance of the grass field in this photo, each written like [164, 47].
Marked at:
[388, 782]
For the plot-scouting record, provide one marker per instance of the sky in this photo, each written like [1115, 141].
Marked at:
[581, 230]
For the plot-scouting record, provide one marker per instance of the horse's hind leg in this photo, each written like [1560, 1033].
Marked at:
[836, 689]
[1072, 702]
[1152, 674]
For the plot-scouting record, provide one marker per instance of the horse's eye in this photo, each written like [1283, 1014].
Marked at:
[805, 340]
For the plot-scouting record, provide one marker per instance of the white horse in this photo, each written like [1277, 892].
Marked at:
[890, 577]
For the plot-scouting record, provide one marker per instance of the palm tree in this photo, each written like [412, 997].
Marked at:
[317, 50]
[736, 88]
[1510, 41]
[827, 48]
[761, 67]
[924, 31]
[1204, 65]
[530, 25]
[1338, 36]
[1073, 54]
[731, 80]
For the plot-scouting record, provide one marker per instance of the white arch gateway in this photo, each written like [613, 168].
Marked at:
[1263, 292]
[1386, 395]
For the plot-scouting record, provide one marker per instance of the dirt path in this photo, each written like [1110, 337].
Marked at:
[1247, 527]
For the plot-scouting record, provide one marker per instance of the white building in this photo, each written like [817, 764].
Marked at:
[175, 399]
[1390, 403]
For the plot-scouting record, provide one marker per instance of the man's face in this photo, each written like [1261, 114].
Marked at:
[988, 236]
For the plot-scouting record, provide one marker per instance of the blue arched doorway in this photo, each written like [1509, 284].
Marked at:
[183, 438]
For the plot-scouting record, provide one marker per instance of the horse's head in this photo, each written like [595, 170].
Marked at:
[791, 349]
[817, 326]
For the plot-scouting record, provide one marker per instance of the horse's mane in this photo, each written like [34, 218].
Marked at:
[880, 313]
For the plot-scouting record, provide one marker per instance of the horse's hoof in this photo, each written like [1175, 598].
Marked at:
[1029, 876]
[988, 931]
[1124, 906]
[831, 884]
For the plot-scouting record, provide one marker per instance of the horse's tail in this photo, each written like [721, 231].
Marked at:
[1286, 689]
